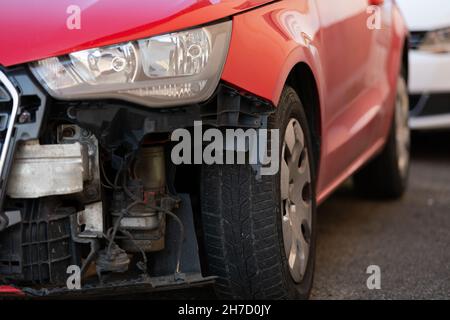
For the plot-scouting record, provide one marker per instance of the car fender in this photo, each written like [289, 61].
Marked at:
[268, 42]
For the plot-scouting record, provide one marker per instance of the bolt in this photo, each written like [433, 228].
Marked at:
[68, 132]
[71, 113]
[85, 133]
[24, 117]
[91, 192]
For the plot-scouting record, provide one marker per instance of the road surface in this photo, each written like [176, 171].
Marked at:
[408, 239]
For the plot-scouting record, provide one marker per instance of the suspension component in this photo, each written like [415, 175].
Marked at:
[145, 224]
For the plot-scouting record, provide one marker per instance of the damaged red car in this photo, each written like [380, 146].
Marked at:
[93, 201]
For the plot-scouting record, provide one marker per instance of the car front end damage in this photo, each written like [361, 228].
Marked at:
[88, 188]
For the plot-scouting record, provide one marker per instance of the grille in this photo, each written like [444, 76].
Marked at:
[39, 249]
[9, 104]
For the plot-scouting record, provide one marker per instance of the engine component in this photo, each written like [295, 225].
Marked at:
[39, 248]
[91, 219]
[113, 259]
[70, 167]
[45, 170]
[145, 225]
[150, 168]
[70, 134]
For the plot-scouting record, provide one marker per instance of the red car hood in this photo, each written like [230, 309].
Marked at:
[33, 30]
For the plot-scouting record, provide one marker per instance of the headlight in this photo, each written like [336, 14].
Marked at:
[178, 68]
[436, 41]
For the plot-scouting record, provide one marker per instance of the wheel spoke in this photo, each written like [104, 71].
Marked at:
[296, 222]
[298, 254]
[293, 254]
[304, 248]
[284, 180]
[289, 139]
[287, 234]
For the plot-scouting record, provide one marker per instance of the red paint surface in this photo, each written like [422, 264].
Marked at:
[32, 30]
[355, 71]
[10, 291]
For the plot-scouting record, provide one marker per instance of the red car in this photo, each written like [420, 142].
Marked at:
[98, 197]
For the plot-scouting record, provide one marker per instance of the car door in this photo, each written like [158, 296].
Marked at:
[352, 59]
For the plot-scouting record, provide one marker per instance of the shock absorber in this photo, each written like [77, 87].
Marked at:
[147, 186]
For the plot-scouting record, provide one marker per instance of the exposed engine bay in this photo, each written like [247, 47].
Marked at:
[90, 185]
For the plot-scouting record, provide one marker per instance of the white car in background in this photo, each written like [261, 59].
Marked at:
[429, 61]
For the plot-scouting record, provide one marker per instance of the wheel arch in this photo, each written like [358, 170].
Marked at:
[301, 79]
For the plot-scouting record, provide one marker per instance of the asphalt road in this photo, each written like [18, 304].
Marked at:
[408, 239]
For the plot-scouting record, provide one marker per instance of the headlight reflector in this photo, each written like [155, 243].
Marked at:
[173, 69]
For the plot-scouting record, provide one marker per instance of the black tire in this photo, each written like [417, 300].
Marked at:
[241, 219]
[384, 177]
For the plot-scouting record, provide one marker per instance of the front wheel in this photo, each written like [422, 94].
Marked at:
[259, 234]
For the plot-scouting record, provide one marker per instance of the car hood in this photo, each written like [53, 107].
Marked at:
[33, 30]
[425, 15]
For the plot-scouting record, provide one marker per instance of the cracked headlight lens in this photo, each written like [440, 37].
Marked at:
[172, 69]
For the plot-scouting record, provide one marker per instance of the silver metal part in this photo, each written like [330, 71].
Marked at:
[45, 170]
[69, 134]
[150, 167]
[69, 167]
[15, 98]
[14, 217]
[142, 222]
[92, 219]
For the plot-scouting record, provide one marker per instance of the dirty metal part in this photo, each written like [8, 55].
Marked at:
[94, 244]
[140, 216]
[69, 134]
[140, 222]
[4, 221]
[92, 220]
[44, 170]
[145, 224]
[113, 260]
[149, 241]
[9, 219]
[150, 168]
[14, 217]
